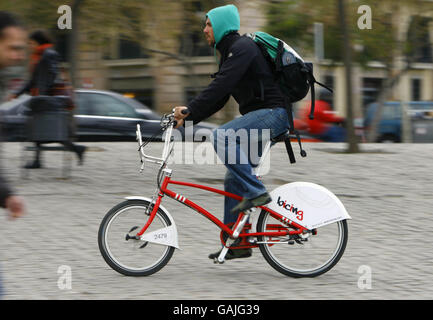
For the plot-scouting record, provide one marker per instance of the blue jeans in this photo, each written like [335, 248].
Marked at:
[239, 144]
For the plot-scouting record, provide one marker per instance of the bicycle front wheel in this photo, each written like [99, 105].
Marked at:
[127, 255]
[312, 256]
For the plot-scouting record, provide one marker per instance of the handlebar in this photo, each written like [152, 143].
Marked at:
[167, 123]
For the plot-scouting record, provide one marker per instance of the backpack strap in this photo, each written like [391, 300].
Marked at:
[308, 69]
[292, 129]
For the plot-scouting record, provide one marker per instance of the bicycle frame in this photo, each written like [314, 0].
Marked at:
[163, 190]
[176, 196]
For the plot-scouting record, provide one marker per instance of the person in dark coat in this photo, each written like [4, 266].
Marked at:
[12, 52]
[45, 76]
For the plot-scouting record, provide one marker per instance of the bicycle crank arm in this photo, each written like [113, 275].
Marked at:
[128, 237]
[222, 255]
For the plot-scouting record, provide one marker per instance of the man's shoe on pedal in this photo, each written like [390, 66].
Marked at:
[233, 254]
[246, 204]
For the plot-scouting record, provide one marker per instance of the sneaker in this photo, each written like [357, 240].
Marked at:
[233, 254]
[33, 165]
[246, 204]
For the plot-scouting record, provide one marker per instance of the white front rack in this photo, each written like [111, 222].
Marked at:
[165, 153]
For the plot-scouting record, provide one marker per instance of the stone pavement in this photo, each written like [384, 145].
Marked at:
[387, 190]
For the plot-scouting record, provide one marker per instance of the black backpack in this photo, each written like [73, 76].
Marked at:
[294, 76]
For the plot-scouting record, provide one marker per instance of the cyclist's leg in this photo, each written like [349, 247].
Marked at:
[234, 152]
[240, 178]
[231, 185]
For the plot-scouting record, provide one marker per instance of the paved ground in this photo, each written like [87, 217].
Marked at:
[387, 190]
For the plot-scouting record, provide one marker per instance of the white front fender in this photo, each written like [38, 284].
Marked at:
[165, 236]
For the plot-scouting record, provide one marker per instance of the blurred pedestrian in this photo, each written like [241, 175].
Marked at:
[46, 80]
[12, 52]
[325, 125]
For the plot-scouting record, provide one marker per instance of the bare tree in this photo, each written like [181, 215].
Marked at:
[347, 58]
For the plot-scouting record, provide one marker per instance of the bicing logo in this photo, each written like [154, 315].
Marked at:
[291, 208]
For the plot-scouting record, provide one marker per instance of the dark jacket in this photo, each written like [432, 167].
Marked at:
[44, 75]
[243, 73]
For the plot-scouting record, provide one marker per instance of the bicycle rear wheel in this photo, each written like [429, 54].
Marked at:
[129, 256]
[318, 253]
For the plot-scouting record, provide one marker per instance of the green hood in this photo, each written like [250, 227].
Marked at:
[224, 20]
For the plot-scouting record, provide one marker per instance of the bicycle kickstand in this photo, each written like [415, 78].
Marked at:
[236, 231]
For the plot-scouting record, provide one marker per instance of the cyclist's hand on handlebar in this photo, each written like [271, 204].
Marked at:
[178, 123]
[180, 113]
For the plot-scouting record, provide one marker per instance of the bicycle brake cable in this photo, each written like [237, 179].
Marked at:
[163, 128]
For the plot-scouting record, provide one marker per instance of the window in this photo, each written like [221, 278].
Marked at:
[129, 49]
[104, 105]
[370, 90]
[193, 44]
[62, 45]
[192, 41]
[191, 93]
[391, 111]
[82, 103]
[419, 38]
[416, 89]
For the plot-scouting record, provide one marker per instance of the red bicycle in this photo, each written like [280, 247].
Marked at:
[301, 233]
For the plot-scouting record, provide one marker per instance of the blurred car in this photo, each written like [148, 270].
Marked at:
[390, 124]
[99, 116]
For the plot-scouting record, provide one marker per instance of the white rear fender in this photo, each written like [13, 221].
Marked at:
[165, 236]
[308, 204]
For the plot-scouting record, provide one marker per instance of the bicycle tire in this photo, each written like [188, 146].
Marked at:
[106, 251]
[281, 267]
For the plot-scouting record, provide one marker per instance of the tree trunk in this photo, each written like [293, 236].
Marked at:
[73, 44]
[347, 55]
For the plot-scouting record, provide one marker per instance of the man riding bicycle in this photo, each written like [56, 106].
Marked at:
[244, 74]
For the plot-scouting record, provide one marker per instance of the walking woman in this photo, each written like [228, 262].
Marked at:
[45, 75]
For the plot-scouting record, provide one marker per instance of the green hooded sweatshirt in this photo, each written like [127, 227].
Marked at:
[224, 20]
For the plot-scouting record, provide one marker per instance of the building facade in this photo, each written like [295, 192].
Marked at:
[163, 76]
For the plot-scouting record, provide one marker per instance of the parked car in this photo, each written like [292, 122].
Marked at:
[99, 116]
[390, 125]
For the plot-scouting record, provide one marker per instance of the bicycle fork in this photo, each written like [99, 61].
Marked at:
[237, 228]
